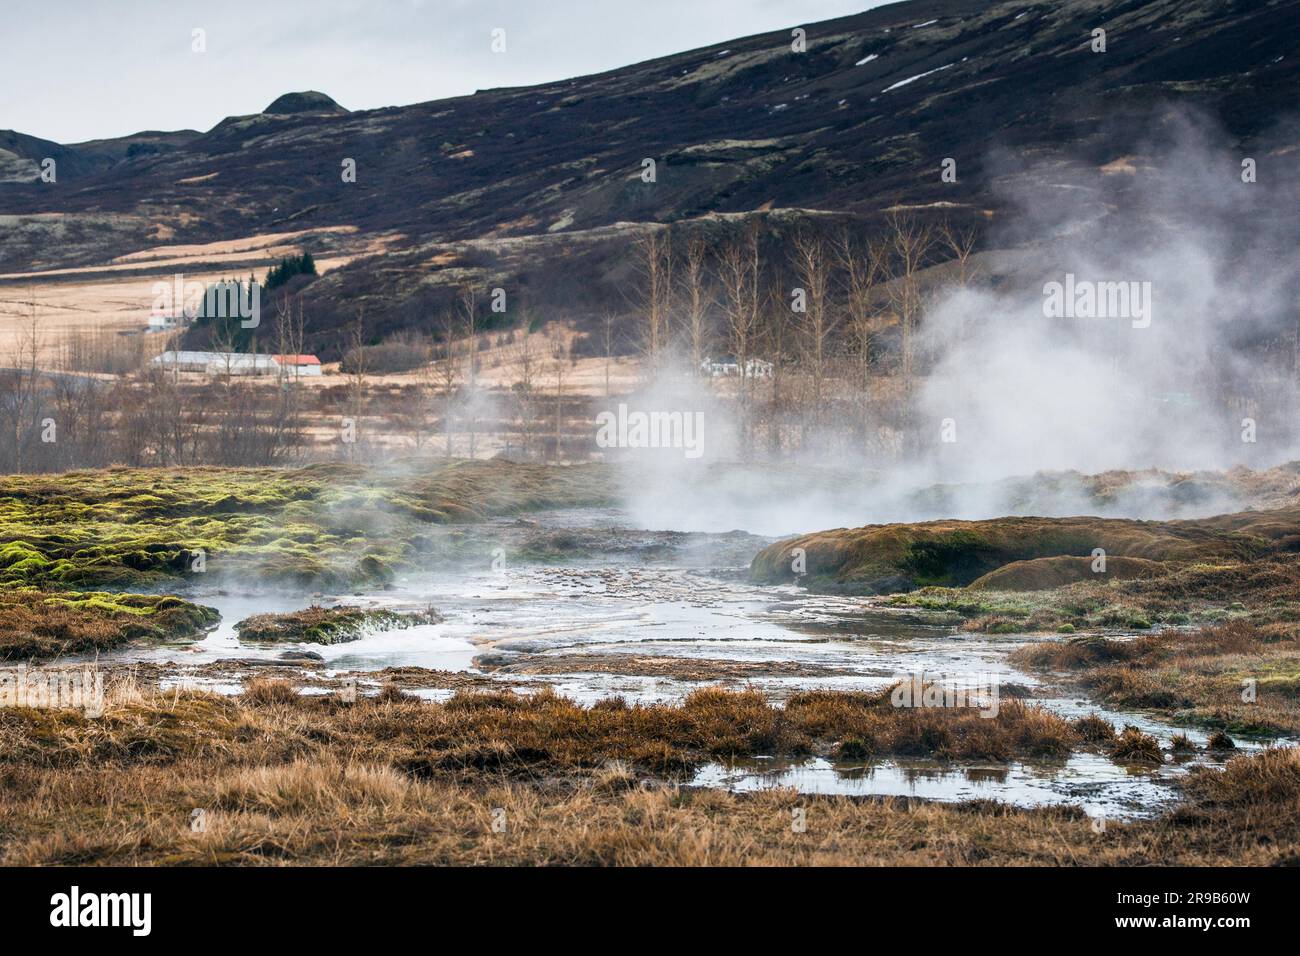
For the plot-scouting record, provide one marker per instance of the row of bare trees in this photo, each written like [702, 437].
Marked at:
[447, 390]
[818, 324]
[827, 321]
[55, 416]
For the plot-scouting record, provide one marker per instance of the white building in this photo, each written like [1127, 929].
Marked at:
[218, 363]
[184, 361]
[299, 364]
[754, 368]
[242, 363]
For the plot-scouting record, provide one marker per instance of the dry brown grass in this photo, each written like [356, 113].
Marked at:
[1198, 675]
[265, 807]
[1269, 777]
[1136, 746]
[1095, 729]
[266, 691]
[519, 735]
[870, 725]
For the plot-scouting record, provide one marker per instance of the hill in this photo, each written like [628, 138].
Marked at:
[543, 185]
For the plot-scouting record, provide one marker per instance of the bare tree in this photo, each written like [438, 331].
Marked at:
[448, 374]
[561, 356]
[21, 400]
[423, 405]
[163, 421]
[698, 300]
[911, 242]
[223, 344]
[356, 379]
[526, 358]
[607, 330]
[469, 312]
[739, 276]
[812, 271]
[230, 438]
[776, 339]
[961, 244]
[862, 269]
[656, 266]
[285, 437]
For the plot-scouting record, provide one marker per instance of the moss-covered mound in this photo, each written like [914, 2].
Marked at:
[1040, 574]
[40, 625]
[1263, 591]
[333, 625]
[325, 526]
[881, 559]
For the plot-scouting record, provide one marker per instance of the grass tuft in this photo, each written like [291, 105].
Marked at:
[1133, 745]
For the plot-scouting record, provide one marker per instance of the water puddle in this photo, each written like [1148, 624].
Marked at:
[1092, 782]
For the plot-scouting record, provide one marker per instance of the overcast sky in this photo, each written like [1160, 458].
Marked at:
[86, 69]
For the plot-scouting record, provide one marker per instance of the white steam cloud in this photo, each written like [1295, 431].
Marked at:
[1201, 376]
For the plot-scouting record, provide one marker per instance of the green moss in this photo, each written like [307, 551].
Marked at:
[335, 625]
[39, 625]
[1051, 551]
[951, 559]
[325, 526]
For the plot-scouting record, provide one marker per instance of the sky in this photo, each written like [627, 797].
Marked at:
[77, 70]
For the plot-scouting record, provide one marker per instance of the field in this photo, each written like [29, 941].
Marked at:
[95, 561]
[490, 779]
[113, 299]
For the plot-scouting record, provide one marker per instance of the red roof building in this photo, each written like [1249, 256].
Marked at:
[301, 364]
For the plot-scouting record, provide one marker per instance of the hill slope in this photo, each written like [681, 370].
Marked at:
[857, 123]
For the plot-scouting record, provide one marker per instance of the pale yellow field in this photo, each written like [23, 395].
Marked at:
[102, 297]
[500, 368]
[118, 296]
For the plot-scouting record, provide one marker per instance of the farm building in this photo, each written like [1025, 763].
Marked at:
[218, 363]
[242, 363]
[755, 368]
[184, 361]
[299, 364]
